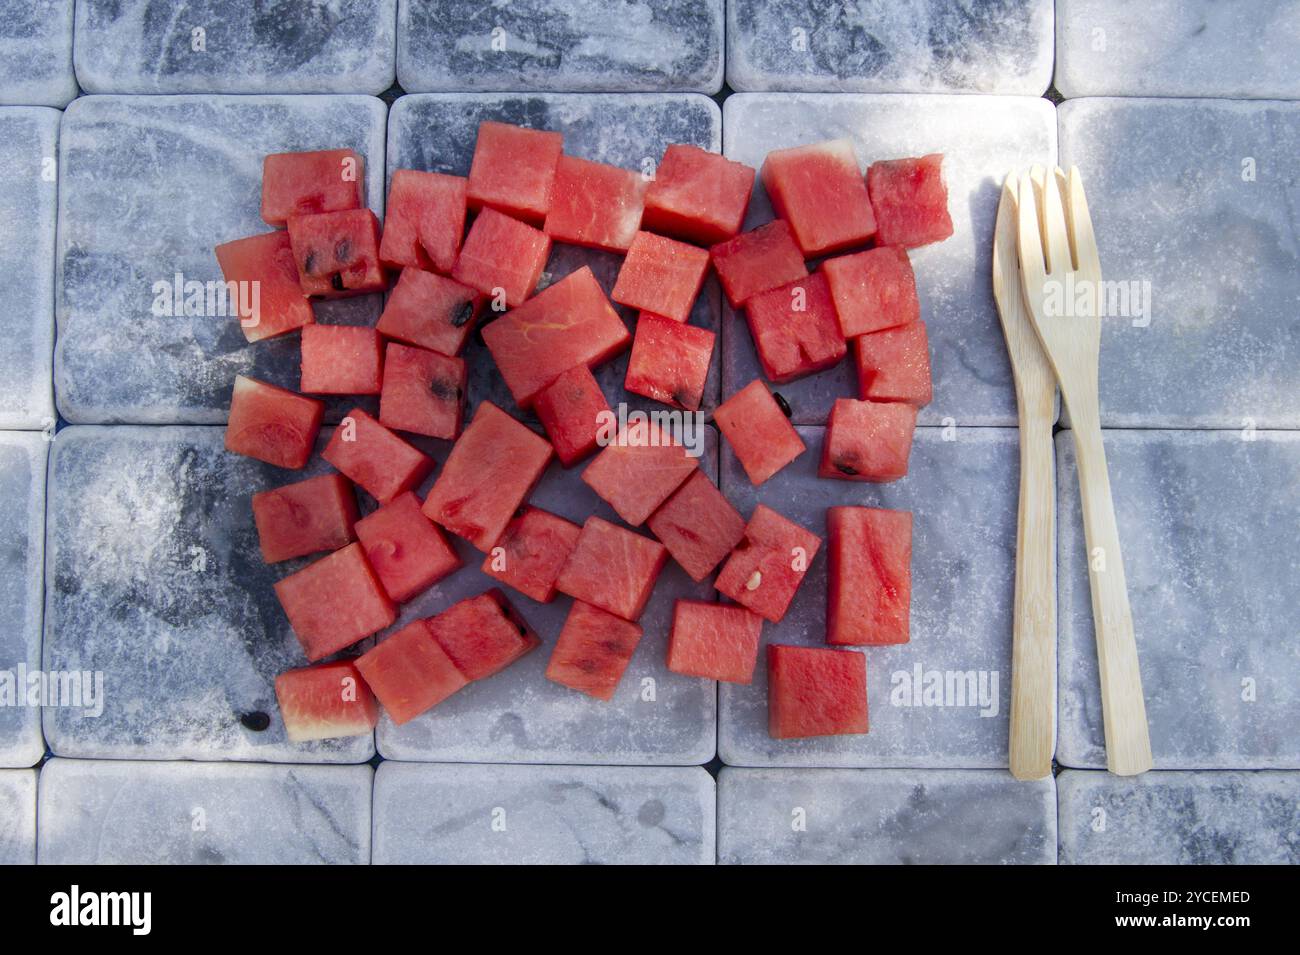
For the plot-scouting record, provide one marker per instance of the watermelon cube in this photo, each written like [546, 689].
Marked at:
[295, 184]
[759, 431]
[404, 548]
[424, 220]
[375, 458]
[410, 672]
[637, 472]
[483, 635]
[894, 365]
[756, 261]
[767, 566]
[571, 409]
[910, 201]
[661, 276]
[698, 525]
[814, 691]
[819, 190]
[513, 170]
[569, 323]
[491, 469]
[670, 361]
[612, 568]
[503, 258]
[869, 570]
[272, 424]
[305, 517]
[326, 701]
[334, 602]
[531, 552]
[424, 391]
[795, 330]
[430, 311]
[867, 440]
[697, 195]
[872, 290]
[595, 205]
[593, 650]
[266, 293]
[337, 253]
[714, 641]
[341, 360]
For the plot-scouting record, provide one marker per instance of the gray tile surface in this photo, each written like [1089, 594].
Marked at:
[36, 53]
[17, 816]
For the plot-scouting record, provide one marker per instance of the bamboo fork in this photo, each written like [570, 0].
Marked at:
[1056, 245]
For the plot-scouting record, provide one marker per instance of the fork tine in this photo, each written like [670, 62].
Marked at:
[1004, 232]
[1056, 240]
[1081, 234]
[1063, 184]
[1029, 242]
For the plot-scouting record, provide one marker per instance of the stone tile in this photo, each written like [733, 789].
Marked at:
[17, 816]
[36, 53]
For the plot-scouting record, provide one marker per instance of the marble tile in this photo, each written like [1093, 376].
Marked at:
[36, 53]
[17, 816]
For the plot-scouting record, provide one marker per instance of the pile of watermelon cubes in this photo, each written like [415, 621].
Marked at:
[523, 193]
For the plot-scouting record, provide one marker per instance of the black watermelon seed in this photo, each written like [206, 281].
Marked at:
[309, 264]
[783, 404]
[444, 390]
[845, 468]
[462, 314]
[257, 721]
[342, 251]
[336, 281]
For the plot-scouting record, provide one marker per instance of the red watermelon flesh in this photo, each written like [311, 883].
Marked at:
[867, 440]
[424, 220]
[661, 276]
[595, 205]
[872, 290]
[569, 323]
[341, 360]
[375, 458]
[305, 517]
[327, 701]
[337, 253]
[405, 549]
[335, 602]
[759, 432]
[266, 260]
[483, 635]
[698, 525]
[820, 192]
[814, 691]
[424, 392]
[639, 470]
[697, 195]
[503, 258]
[272, 424]
[492, 467]
[869, 571]
[767, 566]
[894, 365]
[670, 361]
[910, 201]
[295, 184]
[571, 409]
[430, 311]
[531, 552]
[612, 568]
[514, 170]
[756, 261]
[593, 650]
[410, 672]
[795, 330]
[714, 641]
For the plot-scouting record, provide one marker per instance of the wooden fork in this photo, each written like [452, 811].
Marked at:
[1056, 245]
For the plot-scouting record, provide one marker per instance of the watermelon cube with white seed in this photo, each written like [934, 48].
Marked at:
[795, 330]
[430, 311]
[337, 253]
[612, 568]
[341, 360]
[756, 261]
[820, 191]
[869, 576]
[406, 550]
[424, 220]
[305, 517]
[375, 458]
[593, 651]
[327, 701]
[502, 258]
[767, 566]
[334, 602]
[872, 290]
[639, 470]
[483, 635]
[670, 361]
[894, 365]
[910, 201]
[815, 691]
[714, 641]
[492, 468]
[265, 263]
[661, 275]
[306, 183]
[531, 552]
[513, 170]
[698, 525]
[410, 672]
[423, 392]
[595, 205]
[867, 440]
[272, 424]
[571, 409]
[697, 195]
[759, 431]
